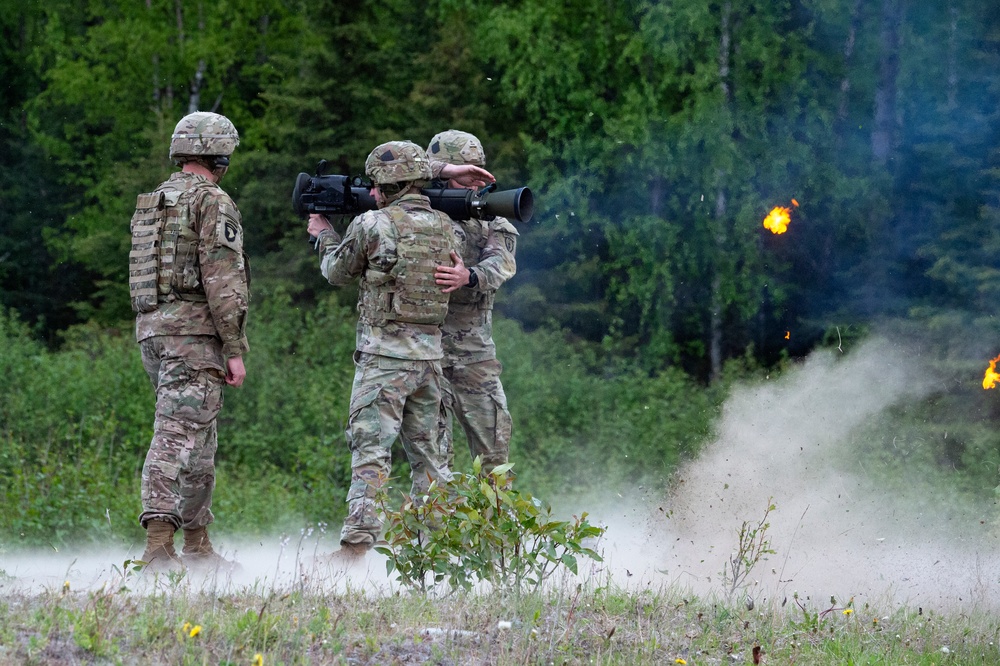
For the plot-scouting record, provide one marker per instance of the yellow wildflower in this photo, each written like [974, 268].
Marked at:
[195, 630]
[678, 660]
[186, 628]
[848, 611]
[258, 660]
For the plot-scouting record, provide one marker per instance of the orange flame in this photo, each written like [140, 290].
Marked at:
[788, 335]
[795, 203]
[992, 376]
[777, 220]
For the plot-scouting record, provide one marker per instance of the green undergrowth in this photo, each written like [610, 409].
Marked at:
[571, 623]
[75, 424]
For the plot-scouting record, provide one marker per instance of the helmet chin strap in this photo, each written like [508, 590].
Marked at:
[218, 165]
[389, 199]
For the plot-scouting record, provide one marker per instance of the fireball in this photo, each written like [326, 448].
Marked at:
[990, 380]
[777, 220]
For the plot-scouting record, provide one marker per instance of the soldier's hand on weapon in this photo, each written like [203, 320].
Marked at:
[235, 371]
[467, 175]
[452, 277]
[317, 224]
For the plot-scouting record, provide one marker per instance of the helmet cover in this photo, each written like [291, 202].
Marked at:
[457, 147]
[204, 133]
[397, 162]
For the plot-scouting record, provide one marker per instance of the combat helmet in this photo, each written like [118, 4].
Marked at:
[397, 162]
[457, 147]
[203, 134]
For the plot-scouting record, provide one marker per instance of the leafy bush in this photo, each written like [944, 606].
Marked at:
[478, 528]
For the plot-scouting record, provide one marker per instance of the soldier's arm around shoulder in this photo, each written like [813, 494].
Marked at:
[224, 269]
[496, 261]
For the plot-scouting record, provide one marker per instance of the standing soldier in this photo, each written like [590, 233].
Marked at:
[396, 390]
[472, 391]
[189, 287]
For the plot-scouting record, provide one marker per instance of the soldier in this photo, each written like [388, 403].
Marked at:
[472, 391]
[396, 389]
[189, 285]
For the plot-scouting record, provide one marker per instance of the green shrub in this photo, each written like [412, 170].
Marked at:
[478, 528]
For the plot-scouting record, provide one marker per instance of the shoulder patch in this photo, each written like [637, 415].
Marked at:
[229, 232]
[503, 225]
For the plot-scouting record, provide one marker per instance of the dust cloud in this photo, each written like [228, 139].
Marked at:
[789, 441]
[835, 531]
[282, 563]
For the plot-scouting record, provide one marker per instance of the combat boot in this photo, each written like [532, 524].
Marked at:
[198, 552]
[353, 549]
[160, 555]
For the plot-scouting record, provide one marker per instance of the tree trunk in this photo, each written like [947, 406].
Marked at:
[656, 188]
[715, 313]
[179, 10]
[953, 57]
[194, 100]
[884, 132]
[845, 83]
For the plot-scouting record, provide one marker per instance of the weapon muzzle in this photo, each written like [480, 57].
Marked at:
[516, 204]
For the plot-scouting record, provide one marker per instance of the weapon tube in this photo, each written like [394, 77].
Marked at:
[343, 195]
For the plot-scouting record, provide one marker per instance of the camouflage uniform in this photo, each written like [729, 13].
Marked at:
[472, 391]
[397, 376]
[197, 322]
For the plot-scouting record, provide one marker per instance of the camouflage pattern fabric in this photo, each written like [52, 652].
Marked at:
[185, 341]
[178, 477]
[455, 147]
[472, 392]
[210, 281]
[396, 391]
[203, 133]
[473, 395]
[390, 398]
[487, 249]
[397, 162]
[369, 247]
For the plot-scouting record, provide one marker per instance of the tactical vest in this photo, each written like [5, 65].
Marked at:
[471, 300]
[408, 292]
[163, 262]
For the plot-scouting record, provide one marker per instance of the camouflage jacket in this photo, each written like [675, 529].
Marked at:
[212, 264]
[369, 244]
[487, 249]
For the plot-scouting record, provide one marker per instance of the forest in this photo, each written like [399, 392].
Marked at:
[656, 136]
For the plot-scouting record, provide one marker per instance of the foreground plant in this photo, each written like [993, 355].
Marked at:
[753, 547]
[478, 528]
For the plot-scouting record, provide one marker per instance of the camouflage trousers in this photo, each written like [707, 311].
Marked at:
[178, 476]
[391, 398]
[474, 396]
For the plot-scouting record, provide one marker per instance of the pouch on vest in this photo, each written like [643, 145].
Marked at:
[143, 259]
[421, 246]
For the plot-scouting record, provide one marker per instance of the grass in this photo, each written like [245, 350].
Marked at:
[327, 617]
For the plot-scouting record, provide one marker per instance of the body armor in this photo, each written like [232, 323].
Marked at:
[408, 292]
[163, 262]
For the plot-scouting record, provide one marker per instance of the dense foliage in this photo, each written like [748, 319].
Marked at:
[75, 425]
[655, 135]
